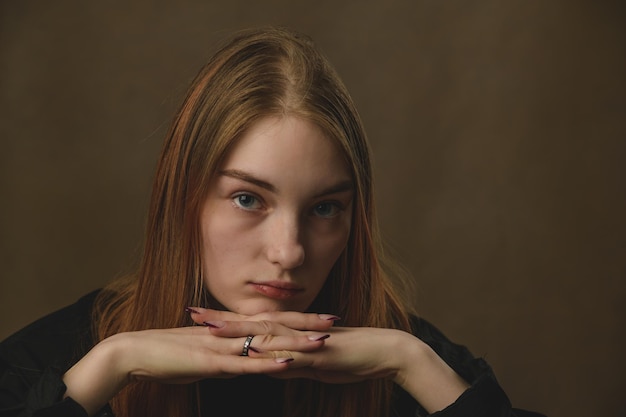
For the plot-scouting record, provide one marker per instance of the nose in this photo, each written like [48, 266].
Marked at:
[284, 243]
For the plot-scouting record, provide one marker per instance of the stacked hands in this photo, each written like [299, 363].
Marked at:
[299, 345]
[285, 345]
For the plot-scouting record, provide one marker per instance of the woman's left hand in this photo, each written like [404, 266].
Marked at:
[352, 354]
[290, 319]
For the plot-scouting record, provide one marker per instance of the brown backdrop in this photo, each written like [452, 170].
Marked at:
[499, 138]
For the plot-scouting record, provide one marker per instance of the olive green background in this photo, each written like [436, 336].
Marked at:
[499, 136]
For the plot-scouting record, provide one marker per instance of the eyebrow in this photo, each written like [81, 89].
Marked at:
[340, 187]
[244, 176]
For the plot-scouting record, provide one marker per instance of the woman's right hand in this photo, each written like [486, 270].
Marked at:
[178, 356]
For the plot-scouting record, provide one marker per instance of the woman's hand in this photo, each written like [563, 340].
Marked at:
[354, 354]
[180, 355]
[350, 354]
[291, 319]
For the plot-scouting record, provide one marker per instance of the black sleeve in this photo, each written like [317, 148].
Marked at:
[33, 361]
[484, 398]
[28, 393]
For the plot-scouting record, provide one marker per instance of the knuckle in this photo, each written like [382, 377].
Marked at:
[266, 325]
[282, 354]
[264, 339]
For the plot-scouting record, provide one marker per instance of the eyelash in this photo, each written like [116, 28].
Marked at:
[335, 205]
[238, 205]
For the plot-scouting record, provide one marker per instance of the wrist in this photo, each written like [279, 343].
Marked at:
[426, 376]
[412, 353]
[98, 376]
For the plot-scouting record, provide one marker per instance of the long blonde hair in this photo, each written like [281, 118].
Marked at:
[259, 73]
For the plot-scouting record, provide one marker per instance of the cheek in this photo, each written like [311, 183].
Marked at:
[225, 243]
[223, 240]
[221, 228]
[329, 247]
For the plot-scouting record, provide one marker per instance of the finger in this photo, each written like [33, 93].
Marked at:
[292, 319]
[303, 342]
[239, 365]
[245, 328]
[298, 321]
[274, 346]
[201, 315]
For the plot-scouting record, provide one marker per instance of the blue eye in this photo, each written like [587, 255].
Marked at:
[246, 202]
[326, 210]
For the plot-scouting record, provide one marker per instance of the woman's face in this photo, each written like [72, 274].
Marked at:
[276, 218]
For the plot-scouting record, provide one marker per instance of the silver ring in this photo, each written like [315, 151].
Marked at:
[246, 345]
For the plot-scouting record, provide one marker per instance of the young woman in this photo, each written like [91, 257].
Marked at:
[262, 289]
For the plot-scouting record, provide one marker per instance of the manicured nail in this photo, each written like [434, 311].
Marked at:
[283, 360]
[214, 324]
[315, 338]
[329, 317]
[191, 310]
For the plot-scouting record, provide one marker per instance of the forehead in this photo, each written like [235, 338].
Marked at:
[287, 145]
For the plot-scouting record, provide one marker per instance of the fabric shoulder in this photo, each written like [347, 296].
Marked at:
[457, 356]
[56, 339]
[438, 341]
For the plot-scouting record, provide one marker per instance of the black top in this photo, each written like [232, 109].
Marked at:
[33, 360]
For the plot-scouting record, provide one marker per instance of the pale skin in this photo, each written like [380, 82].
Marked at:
[270, 239]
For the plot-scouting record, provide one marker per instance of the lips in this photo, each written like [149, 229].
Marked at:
[277, 289]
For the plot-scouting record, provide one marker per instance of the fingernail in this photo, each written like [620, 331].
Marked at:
[283, 360]
[214, 324]
[329, 317]
[191, 310]
[318, 338]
